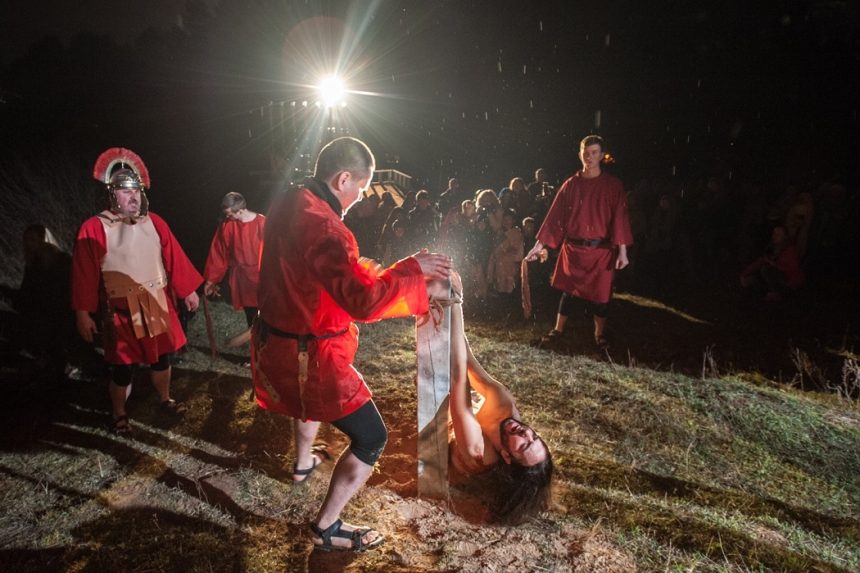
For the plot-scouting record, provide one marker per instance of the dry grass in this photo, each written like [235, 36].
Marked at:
[656, 472]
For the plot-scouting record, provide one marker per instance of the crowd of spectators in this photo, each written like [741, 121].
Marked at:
[486, 232]
[687, 233]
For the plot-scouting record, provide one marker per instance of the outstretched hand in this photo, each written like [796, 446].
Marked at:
[433, 265]
[538, 252]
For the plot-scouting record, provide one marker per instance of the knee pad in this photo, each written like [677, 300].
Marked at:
[369, 448]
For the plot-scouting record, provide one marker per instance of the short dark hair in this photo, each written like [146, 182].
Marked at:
[592, 140]
[233, 201]
[344, 154]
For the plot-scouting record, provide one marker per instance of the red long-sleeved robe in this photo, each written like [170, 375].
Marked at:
[236, 246]
[584, 208]
[88, 290]
[312, 282]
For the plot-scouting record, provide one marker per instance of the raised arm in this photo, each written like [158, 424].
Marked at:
[467, 432]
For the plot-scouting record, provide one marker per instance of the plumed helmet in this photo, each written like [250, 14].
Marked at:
[128, 161]
[125, 179]
[120, 168]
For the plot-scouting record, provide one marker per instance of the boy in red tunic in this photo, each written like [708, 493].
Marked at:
[128, 265]
[236, 246]
[588, 223]
[313, 286]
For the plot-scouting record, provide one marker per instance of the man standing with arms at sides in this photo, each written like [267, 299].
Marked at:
[588, 223]
[128, 265]
[236, 246]
[312, 287]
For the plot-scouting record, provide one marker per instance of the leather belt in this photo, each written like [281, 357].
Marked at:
[266, 328]
[590, 243]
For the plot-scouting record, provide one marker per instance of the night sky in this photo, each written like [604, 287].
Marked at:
[480, 90]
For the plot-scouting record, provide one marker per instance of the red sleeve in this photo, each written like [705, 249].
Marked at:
[184, 278]
[362, 290]
[218, 260]
[619, 232]
[90, 249]
[553, 229]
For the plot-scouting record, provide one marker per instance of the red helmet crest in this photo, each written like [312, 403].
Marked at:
[119, 155]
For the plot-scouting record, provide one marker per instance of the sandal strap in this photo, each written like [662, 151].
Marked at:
[306, 471]
[326, 534]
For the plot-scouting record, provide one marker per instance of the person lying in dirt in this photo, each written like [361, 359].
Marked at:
[489, 436]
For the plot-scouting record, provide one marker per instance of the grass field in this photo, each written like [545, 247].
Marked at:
[656, 471]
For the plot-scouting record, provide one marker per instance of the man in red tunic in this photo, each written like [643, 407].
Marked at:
[312, 287]
[588, 223]
[236, 247]
[127, 265]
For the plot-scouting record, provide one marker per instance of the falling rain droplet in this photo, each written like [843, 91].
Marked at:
[500, 66]
[486, 116]
[540, 25]
[688, 138]
[531, 104]
[674, 170]
[464, 115]
[606, 40]
[524, 69]
[699, 83]
[597, 118]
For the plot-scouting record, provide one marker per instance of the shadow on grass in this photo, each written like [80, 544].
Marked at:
[676, 527]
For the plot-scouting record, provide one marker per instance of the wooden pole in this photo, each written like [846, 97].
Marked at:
[433, 349]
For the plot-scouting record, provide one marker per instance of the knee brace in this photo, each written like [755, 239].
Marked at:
[368, 448]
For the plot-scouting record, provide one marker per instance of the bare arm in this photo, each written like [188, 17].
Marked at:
[467, 431]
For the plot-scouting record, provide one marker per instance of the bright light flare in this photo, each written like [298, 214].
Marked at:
[332, 91]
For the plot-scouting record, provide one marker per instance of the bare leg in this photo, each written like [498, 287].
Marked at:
[560, 322]
[599, 326]
[161, 381]
[305, 433]
[118, 397]
[348, 476]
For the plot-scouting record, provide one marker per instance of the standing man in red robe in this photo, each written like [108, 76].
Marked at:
[313, 286]
[127, 266]
[588, 223]
[236, 247]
